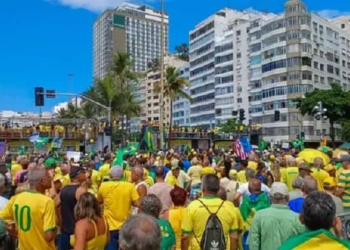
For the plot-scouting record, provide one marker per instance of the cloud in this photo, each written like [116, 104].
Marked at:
[328, 13]
[92, 5]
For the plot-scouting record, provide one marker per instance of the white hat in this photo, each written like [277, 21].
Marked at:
[279, 188]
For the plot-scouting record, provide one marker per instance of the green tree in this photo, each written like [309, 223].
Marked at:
[335, 100]
[121, 69]
[174, 87]
[154, 65]
[182, 52]
[230, 126]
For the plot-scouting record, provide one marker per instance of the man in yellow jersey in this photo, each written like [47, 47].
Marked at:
[15, 168]
[241, 174]
[64, 176]
[343, 191]
[117, 197]
[291, 173]
[318, 173]
[104, 169]
[95, 175]
[197, 215]
[33, 213]
[318, 216]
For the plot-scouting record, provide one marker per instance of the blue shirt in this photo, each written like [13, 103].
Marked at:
[186, 164]
[296, 205]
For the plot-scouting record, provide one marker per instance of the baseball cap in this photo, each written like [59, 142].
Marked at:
[329, 181]
[116, 172]
[279, 188]
[174, 164]
[233, 173]
[329, 168]
[50, 163]
[75, 171]
[345, 158]
[305, 166]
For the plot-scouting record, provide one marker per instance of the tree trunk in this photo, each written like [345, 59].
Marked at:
[171, 124]
[332, 134]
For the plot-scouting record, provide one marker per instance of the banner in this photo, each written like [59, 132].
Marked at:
[73, 154]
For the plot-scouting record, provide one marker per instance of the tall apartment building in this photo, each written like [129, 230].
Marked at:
[152, 106]
[290, 55]
[219, 66]
[129, 28]
[181, 106]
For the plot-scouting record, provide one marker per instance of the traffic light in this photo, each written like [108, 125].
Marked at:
[241, 115]
[302, 136]
[39, 96]
[277, 115]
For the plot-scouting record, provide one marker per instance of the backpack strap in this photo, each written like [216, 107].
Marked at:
[208, 208]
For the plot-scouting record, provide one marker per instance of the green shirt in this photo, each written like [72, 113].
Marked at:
[272, 226]
[168, 235]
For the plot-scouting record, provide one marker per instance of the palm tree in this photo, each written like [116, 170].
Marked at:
[121, 68]
[72, 111]
[174, 87]
[183, 51]
[62, 113]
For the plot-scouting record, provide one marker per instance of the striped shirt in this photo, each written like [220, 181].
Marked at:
[344, 182]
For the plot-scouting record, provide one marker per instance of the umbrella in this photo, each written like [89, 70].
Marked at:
[337, 152]
[325, 149]
[310, 154]
[345, 145]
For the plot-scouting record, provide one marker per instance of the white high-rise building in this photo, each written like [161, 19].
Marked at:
[129, 28]
[219, 66]
[292, 54]
[181, 106]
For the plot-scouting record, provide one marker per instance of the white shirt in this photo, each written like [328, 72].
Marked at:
[243, 189]
[181, 179]
[3, 202]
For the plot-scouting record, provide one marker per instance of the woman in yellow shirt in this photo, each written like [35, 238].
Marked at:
[91, 229]
[177, 213]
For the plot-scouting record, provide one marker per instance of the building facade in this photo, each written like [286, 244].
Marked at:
[219, 67]
[152, 106]
[129, 28]
[181, 106]
[293, 54]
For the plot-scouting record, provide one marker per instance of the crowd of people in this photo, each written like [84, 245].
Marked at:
[174, 201]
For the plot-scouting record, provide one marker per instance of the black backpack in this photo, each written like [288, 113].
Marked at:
[213, 236]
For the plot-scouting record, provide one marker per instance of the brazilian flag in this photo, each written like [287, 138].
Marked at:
[131, 149]
[149, 139]
[262, 145]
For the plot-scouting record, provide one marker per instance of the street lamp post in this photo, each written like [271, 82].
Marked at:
[161, 97]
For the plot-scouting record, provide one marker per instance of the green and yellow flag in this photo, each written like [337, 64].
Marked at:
[149, 139]
[262, 145]
[131, 149]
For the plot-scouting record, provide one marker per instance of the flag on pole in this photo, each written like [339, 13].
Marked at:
[262, 145]
[131, 149]
[149, 139]
[56, 142]
[41, 142]
[247, 147]
[238, 149]
[34, 137]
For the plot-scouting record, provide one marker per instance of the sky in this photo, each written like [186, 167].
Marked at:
[43, 41]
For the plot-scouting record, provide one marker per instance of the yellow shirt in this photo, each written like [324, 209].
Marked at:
[320, 175]
[104, 170]
[196, 217]
[117, 197]
[176, 216]
[195, 173]
[149, 181]
[34, 214]
[95, 178]
[241, 176]
[58, 171]
[15, 168]
[289, 175]
[65, 180]
[283, 172]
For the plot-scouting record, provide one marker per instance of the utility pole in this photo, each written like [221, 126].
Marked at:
[70, 84]
[161, 97]
[320, 116]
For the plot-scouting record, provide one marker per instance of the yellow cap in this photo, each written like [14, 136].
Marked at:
[207, 170]
[233, 173]
[329, 182]
[329, 168]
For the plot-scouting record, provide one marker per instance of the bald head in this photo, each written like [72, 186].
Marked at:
[318, 162]
[292, 162]
[254, 186]
[309, 185]
[249, 173]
